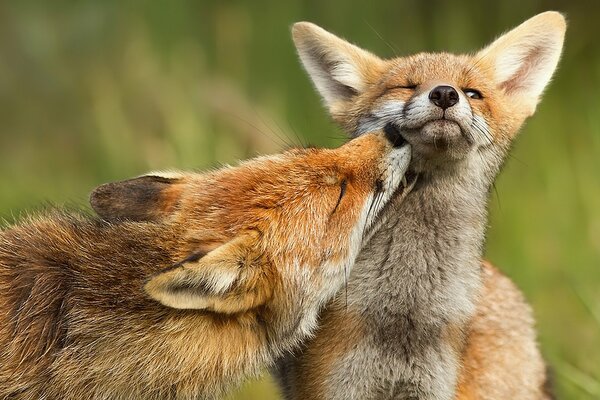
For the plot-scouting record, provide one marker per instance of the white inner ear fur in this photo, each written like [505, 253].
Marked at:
[218, 281]
[196, 287]
[524, 59]
[185, 301]
[335, 66]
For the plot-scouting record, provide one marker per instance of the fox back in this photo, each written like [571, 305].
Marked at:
[188, 283]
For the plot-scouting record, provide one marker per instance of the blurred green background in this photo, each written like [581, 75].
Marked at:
[97, 91]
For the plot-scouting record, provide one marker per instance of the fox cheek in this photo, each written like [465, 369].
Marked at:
[390, 111]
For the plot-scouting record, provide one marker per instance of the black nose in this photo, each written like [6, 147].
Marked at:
[393, 135]
[443, 96]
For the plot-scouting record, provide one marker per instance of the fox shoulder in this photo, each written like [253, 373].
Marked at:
[501, 344]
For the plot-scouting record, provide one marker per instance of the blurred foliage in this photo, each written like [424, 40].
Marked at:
[98, 91]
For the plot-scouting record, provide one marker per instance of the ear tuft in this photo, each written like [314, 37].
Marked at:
[338, 69]
[523, 60]
[147, 198]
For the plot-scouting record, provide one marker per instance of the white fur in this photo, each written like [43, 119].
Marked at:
[389, 111]
[184, 301]
[217, 280]
[167, 174]
[220, 280]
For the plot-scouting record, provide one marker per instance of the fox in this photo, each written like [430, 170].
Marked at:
[185, 284]
[424, 317]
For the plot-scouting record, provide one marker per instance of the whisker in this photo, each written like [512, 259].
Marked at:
[373, 206]
[369, 214]
[346, 283]
[376, 209]
[470, 136]
[482, 129]
[274, 138]
[283, 137]
[497, 196]
[394, 50]
[298, 137]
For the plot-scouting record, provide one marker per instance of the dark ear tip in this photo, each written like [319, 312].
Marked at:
[100, 193]
[138, 199]
[100, 197]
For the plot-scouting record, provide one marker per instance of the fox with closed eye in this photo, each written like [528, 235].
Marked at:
[190, 282]
[424, 317]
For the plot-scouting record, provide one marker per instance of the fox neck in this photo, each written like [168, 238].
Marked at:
[427, 255]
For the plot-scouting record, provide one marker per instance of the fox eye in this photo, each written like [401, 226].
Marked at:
[408, 86]
[343, 186]
[473, 94]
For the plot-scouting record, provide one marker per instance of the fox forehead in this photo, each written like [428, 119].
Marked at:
[300, 178]
[465, 71]
[356, 159]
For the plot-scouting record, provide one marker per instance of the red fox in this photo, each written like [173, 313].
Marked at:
[424, 318]
[190, 282]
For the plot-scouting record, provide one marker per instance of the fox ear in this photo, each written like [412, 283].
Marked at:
[338, 69]
[147, 198]
[226, 280]
[523, 60]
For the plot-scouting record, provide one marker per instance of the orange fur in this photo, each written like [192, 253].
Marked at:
[501, 345]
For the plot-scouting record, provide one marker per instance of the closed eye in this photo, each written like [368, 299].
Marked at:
[407, 87]
[343, 186]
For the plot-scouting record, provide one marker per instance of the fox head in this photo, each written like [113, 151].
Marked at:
[452, 109]
[273, 228]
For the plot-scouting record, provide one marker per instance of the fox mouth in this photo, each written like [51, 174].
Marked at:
[404, 187]
[440, 127]
[441, 122]
[408, 182]
[393, 134]
[435, 136]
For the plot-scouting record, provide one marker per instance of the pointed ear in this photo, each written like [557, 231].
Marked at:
[229, 279]
[523, 60]
[147, 198]
[338, 69]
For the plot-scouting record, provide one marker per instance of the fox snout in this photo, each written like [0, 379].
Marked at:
[438, 120]
[438, 117]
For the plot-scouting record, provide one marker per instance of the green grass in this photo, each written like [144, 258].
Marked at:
[97, 91]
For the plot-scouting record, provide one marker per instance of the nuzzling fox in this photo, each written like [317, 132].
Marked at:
[423, 317]
[189, 282]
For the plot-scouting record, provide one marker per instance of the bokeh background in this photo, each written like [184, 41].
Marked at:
[95, 91]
